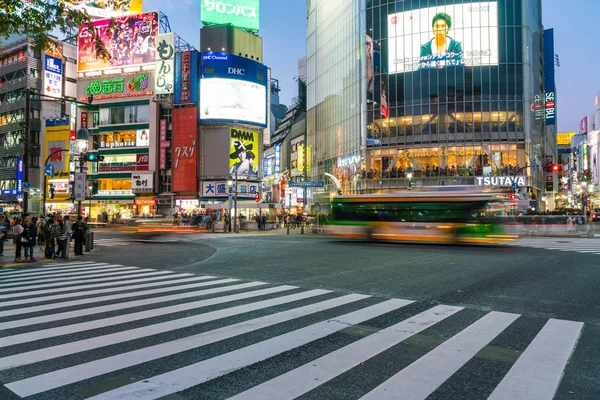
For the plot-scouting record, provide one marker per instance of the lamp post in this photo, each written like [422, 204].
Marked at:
[82, 137]
[90, 188]
[230, 185]
[235, 182]
[409, 175]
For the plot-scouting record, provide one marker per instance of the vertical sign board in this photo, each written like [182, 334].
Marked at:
[277, 158]
[84, 123]
[58, 137]
[184, 158]
[164, 75]
[163, 144]
[19, 176]
[185, 77]
[549, 78]
[53, 68]
[80, 186]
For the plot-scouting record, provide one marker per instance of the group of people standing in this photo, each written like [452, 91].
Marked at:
[52, 231]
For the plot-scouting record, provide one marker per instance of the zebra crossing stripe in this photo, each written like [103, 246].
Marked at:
[195, 374]
[121, 319]
[76, 373]
[124, 280]
[66, 279]
[64, 304]
[313, 374]
[53, 275]
[122, 306]
[50, 285]
[51, 268]
[538, 371]
[425, 375]
[163, 282]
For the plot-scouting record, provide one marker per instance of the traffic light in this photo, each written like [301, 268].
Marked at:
[93, 157]
[556, 168]
[257, 197]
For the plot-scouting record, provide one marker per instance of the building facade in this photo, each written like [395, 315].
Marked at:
[385, 94]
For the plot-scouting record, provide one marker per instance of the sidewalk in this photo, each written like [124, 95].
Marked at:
[7, 260]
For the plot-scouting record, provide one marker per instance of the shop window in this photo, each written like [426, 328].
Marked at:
[124, 115]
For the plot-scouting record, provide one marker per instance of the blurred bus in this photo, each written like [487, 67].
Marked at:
[434, 215]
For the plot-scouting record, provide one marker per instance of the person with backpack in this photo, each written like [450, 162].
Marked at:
[18, 238]
[79, 229]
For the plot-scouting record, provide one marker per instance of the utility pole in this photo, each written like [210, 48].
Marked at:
[26, 149]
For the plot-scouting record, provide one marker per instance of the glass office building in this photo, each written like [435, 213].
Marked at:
[452, 89]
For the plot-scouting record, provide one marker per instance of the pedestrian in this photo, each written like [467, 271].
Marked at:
[3, 233]
[18, 238]
[48, 230]
[30, 234]
[79, 235]
[263, 221]
[39, 224]
[62, 238]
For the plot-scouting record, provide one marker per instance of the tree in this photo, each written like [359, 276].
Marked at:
[37, 19]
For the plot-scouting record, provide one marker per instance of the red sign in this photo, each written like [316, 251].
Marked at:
[185, 77]
[163, 130]
[72, 135]
[84, 120]
[165, 145]
[142, 162]
[145, 202]
[163, 158]
[185, 130]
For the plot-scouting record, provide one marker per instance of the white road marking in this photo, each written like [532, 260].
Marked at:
[425, 375]
[538, 371]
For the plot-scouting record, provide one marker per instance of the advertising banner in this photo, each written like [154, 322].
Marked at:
[121, 139]
[116, 88]
[132, 42]
[549, 78]
[164, 76]
[564, 138]
[233, 89]
[142, 181]
[58, 137]
[184, 163]
[221, 189]
[142, 162]
[443, 36]
[163, 147]
[79, 186]
[105, 9]
[53, 69]
[19, 176]
[243, 150]
[583, 126]
[241, 13]
[185, 77]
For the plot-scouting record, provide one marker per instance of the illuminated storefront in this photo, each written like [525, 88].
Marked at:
[441, 89]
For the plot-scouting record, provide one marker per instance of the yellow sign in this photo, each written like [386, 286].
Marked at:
[300, 158]
[58, 138]
[564, 139]
[243, 151]
[308, 157]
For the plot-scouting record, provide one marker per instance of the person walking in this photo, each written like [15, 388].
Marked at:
[30, 234]
[18, 238]
[48, 230]
[79, 235]
[62, 238]
[39, 225]
[3, 233]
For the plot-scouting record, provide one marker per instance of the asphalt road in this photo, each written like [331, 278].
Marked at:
[275, 316]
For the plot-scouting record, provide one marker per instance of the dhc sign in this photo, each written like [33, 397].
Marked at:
[499, 180]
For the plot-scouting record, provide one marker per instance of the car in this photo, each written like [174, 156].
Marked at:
[595, 215]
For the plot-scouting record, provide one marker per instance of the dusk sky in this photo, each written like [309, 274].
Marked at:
[283, 29]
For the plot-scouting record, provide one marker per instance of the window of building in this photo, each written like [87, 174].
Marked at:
[34, 73]
[34, 161]
[114, 184]
[125, 115]
[37, 54]
[35, 137]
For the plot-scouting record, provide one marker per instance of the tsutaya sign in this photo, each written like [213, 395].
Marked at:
[499, 180]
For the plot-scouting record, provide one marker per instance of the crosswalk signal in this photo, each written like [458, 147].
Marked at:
[93, 157]
[556, 168]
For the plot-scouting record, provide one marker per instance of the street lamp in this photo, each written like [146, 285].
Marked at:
[409, 175]
[82, 137]
[90, 188]
[230, 185]
[233, 183]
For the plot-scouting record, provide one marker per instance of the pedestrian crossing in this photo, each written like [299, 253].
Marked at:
[579, 245]
[67, 327]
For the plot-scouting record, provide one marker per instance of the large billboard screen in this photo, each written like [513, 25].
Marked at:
[233, 89]
[243, 152]
[132, 42]
[105, 9]
[443, 36]
[241, 13]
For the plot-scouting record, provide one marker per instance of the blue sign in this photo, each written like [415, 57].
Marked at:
[49, 170]
[187, 80]
[549, 78]
[27, 185]
[19, 175]
[277, 158]
[515, 185]
[306, 184]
